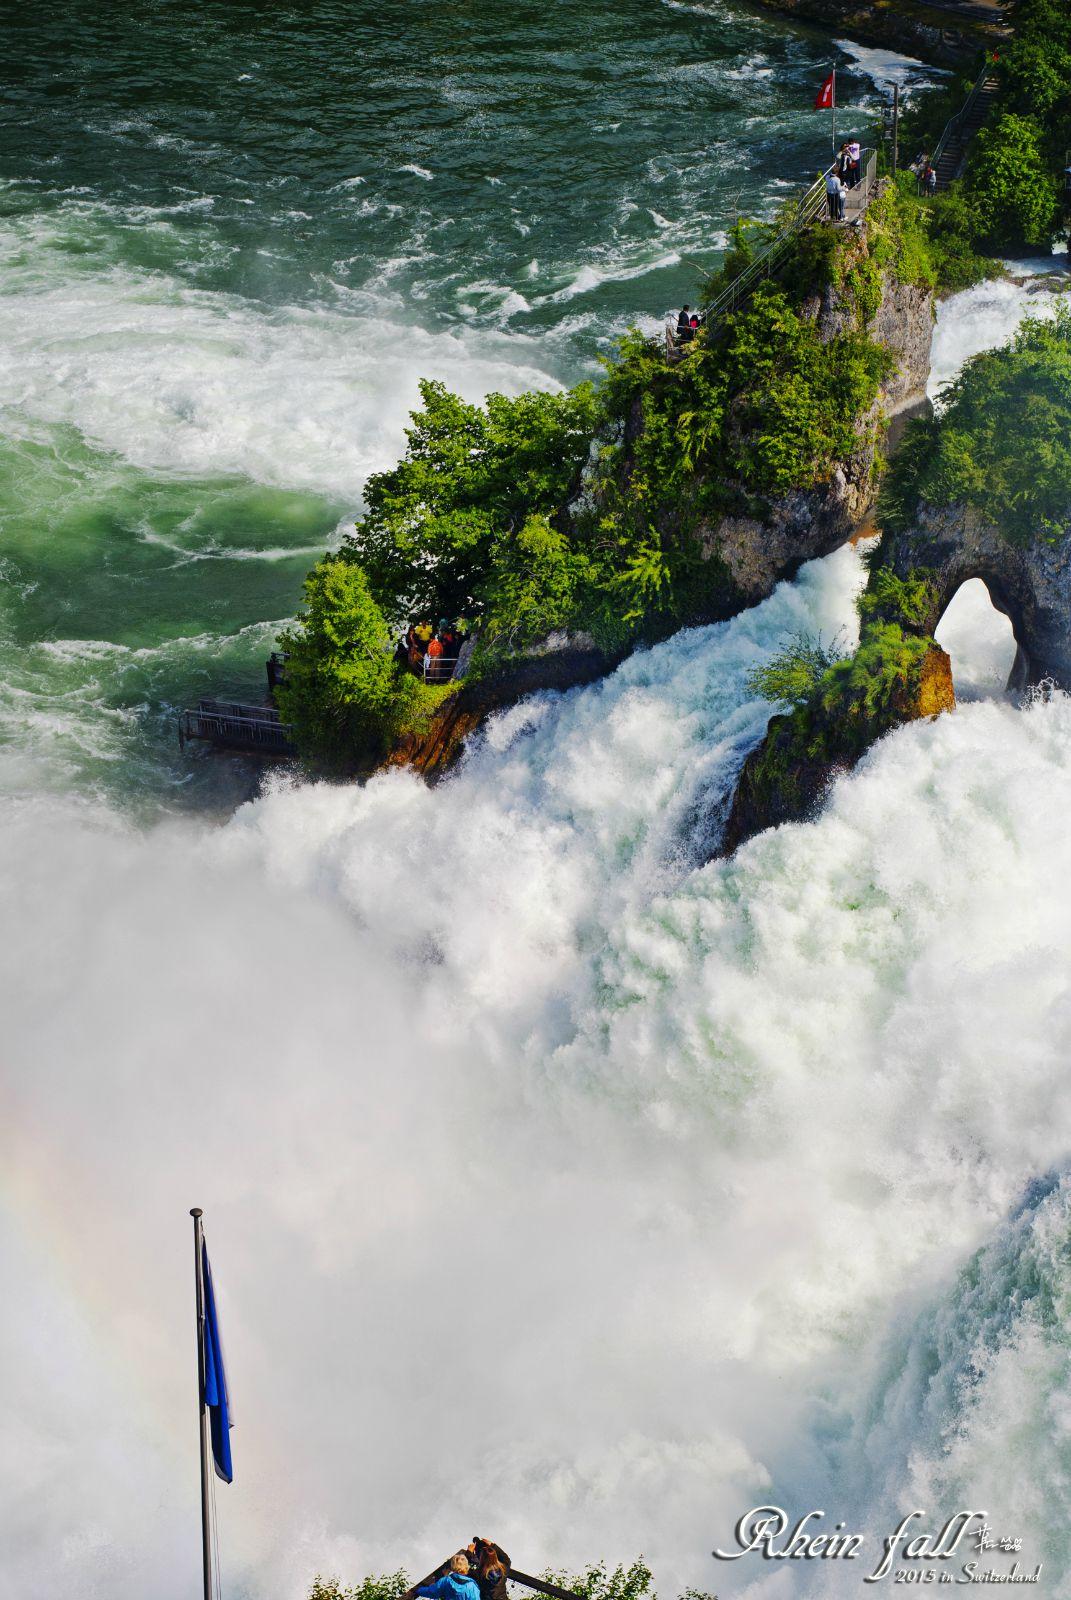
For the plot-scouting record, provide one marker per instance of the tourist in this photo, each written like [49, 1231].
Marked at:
[855, 160]
[451, 643]
[694, 324]
[929, 179]
[490, 1566]
[684, 326]
[835, 196]
[455, 1583]
[843, 163]
[432, 660]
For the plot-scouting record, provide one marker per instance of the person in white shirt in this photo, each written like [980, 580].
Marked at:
[855, 157]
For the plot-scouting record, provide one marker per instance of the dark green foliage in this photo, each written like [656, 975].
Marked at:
[343, 692]
[888, 598]
[855, 701]
[1003, 443]
[469, 481]
[927, 240]
[595, 1583]
[794, 673]
[858, 696]
[1013, 182]
[1012, 192]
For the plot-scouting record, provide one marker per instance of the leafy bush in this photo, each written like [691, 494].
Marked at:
[595, 1583]
[1014, 196]
[388, 1586]
[343, 692]
[1002, 444]
[470, 479]
[889, 598]
[794, 673]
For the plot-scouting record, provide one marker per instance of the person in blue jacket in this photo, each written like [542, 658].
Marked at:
[455, 1583]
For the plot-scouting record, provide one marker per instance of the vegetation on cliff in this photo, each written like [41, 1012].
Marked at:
[585, 511]
[840, 704]
[1013, 182]
[1002, 443]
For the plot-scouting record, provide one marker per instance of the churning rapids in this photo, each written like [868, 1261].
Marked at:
[557, 1184]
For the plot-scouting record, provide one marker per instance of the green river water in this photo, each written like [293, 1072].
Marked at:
[232, 240]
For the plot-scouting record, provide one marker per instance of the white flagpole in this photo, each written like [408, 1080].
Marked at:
[833, 109]
[206, 1512]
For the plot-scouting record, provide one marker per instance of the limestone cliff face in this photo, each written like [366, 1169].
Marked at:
[780, 784]
[1030, 584]
[813, 522]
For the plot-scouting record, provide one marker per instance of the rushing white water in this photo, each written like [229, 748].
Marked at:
[557, 1183]
[176, 378]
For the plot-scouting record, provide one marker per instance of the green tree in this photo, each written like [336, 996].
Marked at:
[343, 692]
[1002, 443]
[1014, 195]
[470, 479]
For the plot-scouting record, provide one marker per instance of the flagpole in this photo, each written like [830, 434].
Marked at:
[833, 109]
[206, 1513]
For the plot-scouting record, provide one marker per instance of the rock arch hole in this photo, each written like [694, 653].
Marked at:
[980, 641]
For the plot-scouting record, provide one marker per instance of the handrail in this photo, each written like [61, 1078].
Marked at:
[432, 665]
[952, 125]
[806, 209]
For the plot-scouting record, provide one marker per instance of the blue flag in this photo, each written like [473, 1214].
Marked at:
[216, 1397]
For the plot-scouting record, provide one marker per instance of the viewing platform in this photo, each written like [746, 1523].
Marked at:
[812, 207]
[237, 725]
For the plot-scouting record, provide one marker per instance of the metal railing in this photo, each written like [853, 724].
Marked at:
[432, 666]
[955, 122]
[230, 722]
[809, 206]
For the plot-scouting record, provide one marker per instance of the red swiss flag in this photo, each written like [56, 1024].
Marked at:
[827, 94]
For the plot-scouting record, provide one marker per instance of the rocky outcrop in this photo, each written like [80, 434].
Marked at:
[759, 552]
[1029, 583]
[782, 782]
[934, 34]
[747, 555]
[565, 661]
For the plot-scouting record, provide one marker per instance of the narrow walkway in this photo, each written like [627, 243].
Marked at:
[811, 207]
[951, 154]
[990, 11]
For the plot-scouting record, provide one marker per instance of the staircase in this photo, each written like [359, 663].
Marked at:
[951, 153]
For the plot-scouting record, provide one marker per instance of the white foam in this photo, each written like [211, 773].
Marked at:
[397, 1041]
[981, 319]
[175, 379]
[886, 68]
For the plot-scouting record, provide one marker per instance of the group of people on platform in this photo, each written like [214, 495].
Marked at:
[432, 652]
[689, 323]
[845, 173]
